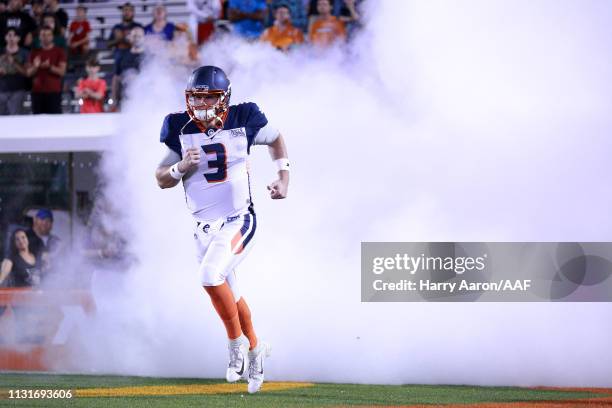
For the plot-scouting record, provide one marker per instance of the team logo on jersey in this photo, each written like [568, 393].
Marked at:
[237, 132]
[211, 131]
[205, 228]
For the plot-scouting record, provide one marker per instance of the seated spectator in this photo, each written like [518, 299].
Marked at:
[282, 34]
[14, 84]
[22, 266]
[326, 28]
[79, 33]
[160, 26]
[52, 7]
[47, 66]
[247, 17]
[40, 236]
[296, 8]
[345, 10]
[119, 35]
[19, 19]
[59, 40]
[127, 63]
[91, 89]
[203, 16]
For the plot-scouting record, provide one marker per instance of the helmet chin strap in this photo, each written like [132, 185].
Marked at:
[209, 118]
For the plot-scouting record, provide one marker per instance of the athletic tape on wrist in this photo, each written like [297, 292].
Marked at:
[175, 173]
[282, 164]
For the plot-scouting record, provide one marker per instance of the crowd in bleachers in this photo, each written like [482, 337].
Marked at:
[54, 61]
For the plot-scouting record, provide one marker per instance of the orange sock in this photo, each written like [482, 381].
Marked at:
[244, 313]
[225, 305]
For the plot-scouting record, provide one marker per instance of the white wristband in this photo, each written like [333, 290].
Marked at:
[282, 164]
[175, 173]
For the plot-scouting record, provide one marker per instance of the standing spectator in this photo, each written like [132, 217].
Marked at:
[121, 31]
[47, 66]
[297, 9]
[326, 28]
[38, 10]
[203, 16]
[15, 17]
[52, 7]
[13, 80]
[22, 265]
[247, 17]
[160, 26]
[79, 33]
[91, 89]
[40, 237]
[282, 34]
[127, 63]
[59, 40]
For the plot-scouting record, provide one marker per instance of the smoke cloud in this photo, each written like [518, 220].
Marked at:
[442, 121]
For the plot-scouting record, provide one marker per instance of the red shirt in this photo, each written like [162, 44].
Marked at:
[45, 81]
[79, 30]
[91, 105]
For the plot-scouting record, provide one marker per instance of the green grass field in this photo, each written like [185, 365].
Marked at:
[110, 391]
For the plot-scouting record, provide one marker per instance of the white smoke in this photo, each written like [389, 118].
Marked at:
[447, 121]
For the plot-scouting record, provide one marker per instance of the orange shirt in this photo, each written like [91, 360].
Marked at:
[91, 105]
[324, 32]
[284, 37]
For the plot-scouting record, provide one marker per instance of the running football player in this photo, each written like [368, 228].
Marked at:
[207, 148]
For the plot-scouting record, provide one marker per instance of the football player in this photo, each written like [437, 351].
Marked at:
[207, 148]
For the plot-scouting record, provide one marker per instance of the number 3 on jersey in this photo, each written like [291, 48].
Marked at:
[219, 163]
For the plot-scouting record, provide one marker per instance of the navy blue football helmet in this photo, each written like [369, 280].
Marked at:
[207, 96]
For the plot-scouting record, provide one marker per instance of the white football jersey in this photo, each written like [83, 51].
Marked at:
[219, 187]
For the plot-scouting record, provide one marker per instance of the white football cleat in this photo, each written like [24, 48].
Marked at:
[256, 366]
[237, 366]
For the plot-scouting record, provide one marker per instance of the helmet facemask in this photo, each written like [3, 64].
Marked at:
[203, 111]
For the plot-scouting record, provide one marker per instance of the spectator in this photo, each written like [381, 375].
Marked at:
[120, 32]
[326, 28]
[18, 19]
[47, 66]
[91, 89]
[52, 7]
[296, 8]
[203, 16]
[22, 266]
[345, 10]
[40, 236]
[13, 81]
[38, 11]
[247, 17]
[282, 34]
[79, 33]
[59, 40]
[2, 10]
[160, 26]
[127, 63]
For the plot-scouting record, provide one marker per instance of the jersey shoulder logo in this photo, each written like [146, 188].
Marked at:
[237, 132]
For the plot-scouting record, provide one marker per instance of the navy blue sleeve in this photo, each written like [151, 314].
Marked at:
[255, 120]
[169, 135]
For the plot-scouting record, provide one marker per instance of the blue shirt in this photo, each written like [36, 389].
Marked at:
[248, 28]
[166, 34]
